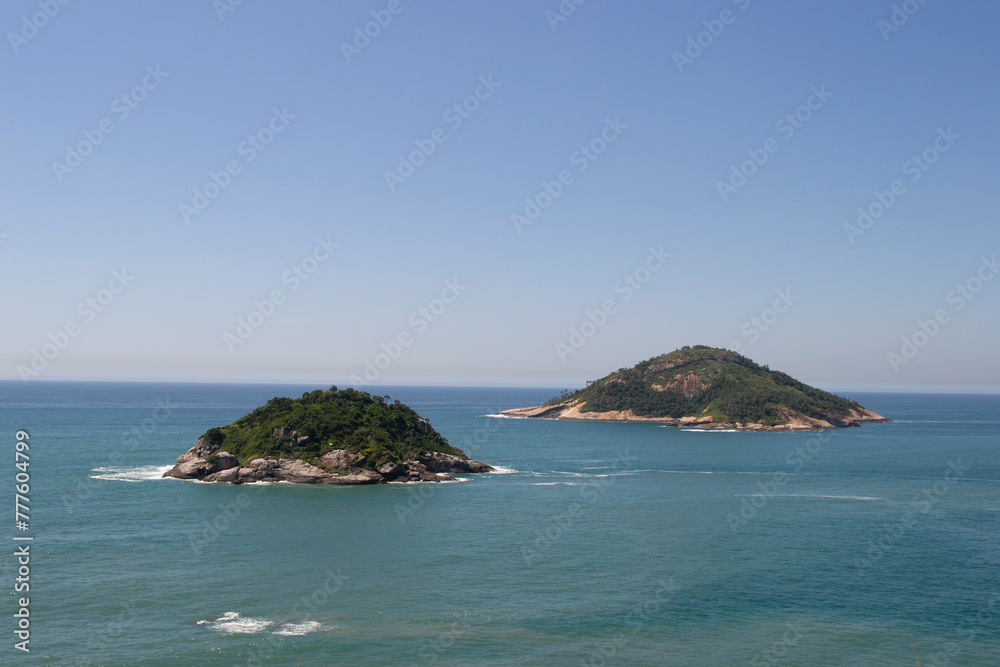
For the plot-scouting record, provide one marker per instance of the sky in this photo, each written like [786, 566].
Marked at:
[517, 193]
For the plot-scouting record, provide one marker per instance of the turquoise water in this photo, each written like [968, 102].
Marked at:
[617, 544]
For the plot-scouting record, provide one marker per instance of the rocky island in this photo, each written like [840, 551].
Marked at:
[705, 387]
[325, 437]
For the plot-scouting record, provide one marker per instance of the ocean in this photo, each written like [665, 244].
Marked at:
[592, 544]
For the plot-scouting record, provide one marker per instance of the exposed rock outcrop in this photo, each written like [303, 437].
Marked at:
[339, 466]
[334, 436]
[794, 421]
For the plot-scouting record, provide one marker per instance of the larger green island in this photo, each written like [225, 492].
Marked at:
[707, 388]
[325, 437]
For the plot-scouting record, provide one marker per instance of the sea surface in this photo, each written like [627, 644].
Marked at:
[593, 543]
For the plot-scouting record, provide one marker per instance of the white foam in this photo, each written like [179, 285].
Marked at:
[711, 430]
[706, 472]
[233, 623]
[553, 483]
[499, 416]
[130, 474]
[298, 629]
[443, 481]
[501, 470]
[806, 495]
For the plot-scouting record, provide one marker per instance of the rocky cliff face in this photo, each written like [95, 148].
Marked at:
[339, 466]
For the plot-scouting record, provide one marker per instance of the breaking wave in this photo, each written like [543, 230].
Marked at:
[130, 474]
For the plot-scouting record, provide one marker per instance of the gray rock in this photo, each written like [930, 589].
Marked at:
[391, 470]
[431, 477]
[189, 469]
[440, 462]
[343, 459]
[202, 449]
[363, 477]
[227, 475]
[191, 466]
[226, 461]
[225, 467]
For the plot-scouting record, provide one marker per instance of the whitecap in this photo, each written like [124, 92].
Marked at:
[454, 480]
[806, 495]
[232, 623]
[501, 470]
[553, 483]
[298, 629]
[130, 474]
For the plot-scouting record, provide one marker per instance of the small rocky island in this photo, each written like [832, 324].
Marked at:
[708, 388]
[325, 437]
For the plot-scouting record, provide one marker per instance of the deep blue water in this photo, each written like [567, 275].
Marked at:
[618, 544]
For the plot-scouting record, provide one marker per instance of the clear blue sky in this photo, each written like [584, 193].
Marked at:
[551, 91]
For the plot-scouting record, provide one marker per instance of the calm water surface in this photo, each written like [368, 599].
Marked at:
[618, 544]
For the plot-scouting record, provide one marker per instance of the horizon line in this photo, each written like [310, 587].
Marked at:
[833, 388]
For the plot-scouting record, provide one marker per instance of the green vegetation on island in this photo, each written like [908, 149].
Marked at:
[307, 428]
[709, 387]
